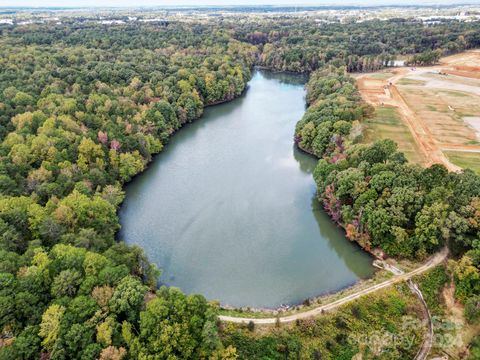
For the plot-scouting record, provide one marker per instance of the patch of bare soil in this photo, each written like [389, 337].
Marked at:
[464, 332]
[466, 64]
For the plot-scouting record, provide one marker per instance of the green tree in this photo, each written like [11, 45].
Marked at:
[50, 325]
[66, 283]
[128, 298]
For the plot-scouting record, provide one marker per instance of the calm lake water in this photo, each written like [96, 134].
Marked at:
[228, 209]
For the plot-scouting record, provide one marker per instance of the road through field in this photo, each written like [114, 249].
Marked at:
[378, 92]
[420, 132]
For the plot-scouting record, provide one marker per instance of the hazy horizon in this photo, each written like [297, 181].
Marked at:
[160, 3]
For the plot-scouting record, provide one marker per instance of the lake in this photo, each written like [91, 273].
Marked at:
[228, 209]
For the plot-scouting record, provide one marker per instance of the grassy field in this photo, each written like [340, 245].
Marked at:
[387, 124]
[442, 112]
[381, 75]
[469, 160]
[411, 82]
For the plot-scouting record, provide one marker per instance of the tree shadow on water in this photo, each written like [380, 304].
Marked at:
[355, 258]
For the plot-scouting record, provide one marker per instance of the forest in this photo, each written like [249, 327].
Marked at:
[386, 205]
[84, 107]
[305, 46]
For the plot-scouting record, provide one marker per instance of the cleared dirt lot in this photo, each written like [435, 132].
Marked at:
[435, 106]
[465, 64]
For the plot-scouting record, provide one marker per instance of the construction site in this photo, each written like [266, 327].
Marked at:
[433, 112]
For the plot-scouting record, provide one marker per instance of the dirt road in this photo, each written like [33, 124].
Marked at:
[426, 346]
[434, 261]
[420, 132]
[383, 91]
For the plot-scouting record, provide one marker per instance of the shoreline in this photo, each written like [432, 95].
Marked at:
[284, 308]
[263, 312]
[342, 297]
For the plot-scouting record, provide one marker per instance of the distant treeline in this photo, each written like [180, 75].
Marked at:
[305, 45]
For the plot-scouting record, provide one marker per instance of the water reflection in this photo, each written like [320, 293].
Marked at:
[306, 161]
[346, 251]
[227, 210]
[286, 78]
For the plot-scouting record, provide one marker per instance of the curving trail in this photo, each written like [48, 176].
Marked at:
[428, 340]
[432, 262]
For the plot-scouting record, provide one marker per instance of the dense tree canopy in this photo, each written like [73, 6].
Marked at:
[382, 201]
[385, 204]
[307, 45]
[84, 107]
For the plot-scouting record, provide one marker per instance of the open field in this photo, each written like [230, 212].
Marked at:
[433, 106]
[429, 112]
[387, 124]
[382, 75]
[465, 159]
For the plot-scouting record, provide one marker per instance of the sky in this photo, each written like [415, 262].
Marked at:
[138, 3]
